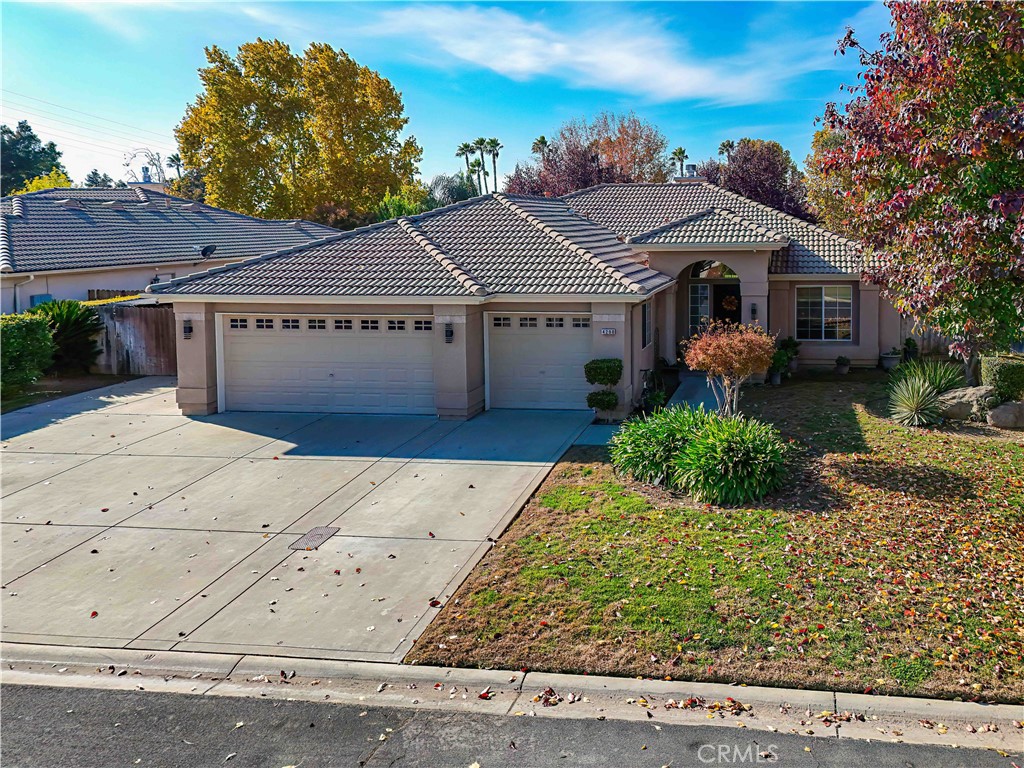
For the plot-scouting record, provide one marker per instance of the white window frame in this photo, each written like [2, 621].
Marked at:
[822, 299]
[703, 299]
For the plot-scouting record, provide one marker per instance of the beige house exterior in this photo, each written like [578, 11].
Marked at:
[497, 302]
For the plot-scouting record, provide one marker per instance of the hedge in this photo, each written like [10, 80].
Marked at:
[26, 350]
[1004, 373]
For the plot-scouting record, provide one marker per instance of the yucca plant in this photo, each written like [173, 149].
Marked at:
[914, 402]
[732, 460]
[645, 447]
[941, 375]
[74, 327]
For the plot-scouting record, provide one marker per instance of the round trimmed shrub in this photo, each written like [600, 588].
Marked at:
[605, 371]
[602, 400]
[915, 402]
[26, 351]
[731, 460]
[1005, 374]
[645, 447]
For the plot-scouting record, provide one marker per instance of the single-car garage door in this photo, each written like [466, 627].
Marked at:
[536, 360]
[328, 363]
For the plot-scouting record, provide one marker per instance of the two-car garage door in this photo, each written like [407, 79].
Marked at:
[329, 363]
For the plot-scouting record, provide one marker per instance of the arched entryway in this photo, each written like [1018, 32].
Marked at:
[712, 293]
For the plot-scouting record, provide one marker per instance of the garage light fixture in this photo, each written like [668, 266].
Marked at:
[449, 333]
[186, 329]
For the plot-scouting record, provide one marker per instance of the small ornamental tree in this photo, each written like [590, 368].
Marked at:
[605, 372]
[931, 161]
[729, 354]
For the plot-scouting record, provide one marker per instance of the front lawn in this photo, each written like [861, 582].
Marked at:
[893, 562]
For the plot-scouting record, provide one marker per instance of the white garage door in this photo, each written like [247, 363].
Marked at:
[328, 363]
[536, 360]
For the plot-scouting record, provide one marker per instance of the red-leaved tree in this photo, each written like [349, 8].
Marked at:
[729, 354]
[933, 148]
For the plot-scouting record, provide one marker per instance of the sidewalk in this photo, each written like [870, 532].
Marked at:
[811, 714]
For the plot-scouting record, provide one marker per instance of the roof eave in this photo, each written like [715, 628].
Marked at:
[690, 247]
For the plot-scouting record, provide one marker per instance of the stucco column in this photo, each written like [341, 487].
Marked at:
[780, 319]
[613, 337]
[755, 294]
[458, 363]
[669, 339]
[197, 358]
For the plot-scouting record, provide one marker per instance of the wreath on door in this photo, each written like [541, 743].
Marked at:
[730, 303]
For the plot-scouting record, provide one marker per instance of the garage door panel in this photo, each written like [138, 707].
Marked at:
[332, 371]
[541, 366]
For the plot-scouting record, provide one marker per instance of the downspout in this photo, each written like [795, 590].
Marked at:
[17, 286]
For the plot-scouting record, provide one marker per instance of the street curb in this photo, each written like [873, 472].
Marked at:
[802, 712]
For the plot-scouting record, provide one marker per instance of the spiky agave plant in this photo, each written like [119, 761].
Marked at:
[941, 375]
[74, 327]
[914, 402]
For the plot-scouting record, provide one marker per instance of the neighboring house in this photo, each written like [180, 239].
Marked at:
[64, 243]
[498, 301]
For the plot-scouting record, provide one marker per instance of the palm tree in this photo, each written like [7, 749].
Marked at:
[481, 147]
[540, 146]
[493, 148]
[464, 151]
[726, 148]
[174, 161]
[477, 169]
[679, 156]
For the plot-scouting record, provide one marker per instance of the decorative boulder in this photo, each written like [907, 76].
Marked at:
[1007, 416]
[965, 403]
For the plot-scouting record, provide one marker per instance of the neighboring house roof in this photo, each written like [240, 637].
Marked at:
[490, 245]
[71, 228]
[712, 226]
[645, 212]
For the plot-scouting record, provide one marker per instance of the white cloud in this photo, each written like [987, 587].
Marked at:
[625, 52]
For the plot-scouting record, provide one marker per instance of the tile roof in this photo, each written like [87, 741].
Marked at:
[75, 228]
[634, 210]
[712, 226]
[493, 244]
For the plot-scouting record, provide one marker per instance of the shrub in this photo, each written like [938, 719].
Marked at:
[914, 402]
[730, 354]
[942, 376]
[604, 371]
[645, 447]
[790, 345]
[26, 351]
[602, 400]
[74, 327]
[1004, 373]
[731, 460]
[780, 360]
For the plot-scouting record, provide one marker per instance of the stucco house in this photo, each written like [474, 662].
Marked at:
[498, 301]
[62, 243]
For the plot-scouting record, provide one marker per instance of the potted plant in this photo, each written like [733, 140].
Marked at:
[780, 363]
[842, 365]
[792, 347]
[892, 358]
[910, 350]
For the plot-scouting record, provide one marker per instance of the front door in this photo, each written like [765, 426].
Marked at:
[726, 302]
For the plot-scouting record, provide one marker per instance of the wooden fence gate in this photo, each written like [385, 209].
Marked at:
[137, 340]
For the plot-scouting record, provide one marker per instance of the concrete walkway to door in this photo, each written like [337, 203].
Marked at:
[128, 525]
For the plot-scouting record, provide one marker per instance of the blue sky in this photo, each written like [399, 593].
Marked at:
[102, 78]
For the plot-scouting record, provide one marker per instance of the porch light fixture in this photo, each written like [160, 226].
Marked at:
[186, 329]
[753, 311]
[449, 333]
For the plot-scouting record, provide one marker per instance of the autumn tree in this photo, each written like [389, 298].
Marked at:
[611, 148]
[24, 156]
[729, 354]
[827, 192]
[710, 170]
[54, 179]
[764, 171]
[282, 135]
[933, 147]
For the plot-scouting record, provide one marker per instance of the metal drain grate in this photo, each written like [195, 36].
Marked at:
[314, 538]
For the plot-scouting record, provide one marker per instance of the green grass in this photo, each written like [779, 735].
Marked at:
[891, 562]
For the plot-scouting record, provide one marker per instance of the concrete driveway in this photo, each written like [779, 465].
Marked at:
[176, 531]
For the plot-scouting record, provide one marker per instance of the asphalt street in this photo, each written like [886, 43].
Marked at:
[82, 728]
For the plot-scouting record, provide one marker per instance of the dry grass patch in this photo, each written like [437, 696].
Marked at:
[892, 562]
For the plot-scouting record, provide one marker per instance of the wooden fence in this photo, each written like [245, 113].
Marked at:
[137, 340]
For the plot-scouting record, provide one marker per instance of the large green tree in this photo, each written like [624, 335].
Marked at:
[24, 156]
[934, 150]
[282, 135]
